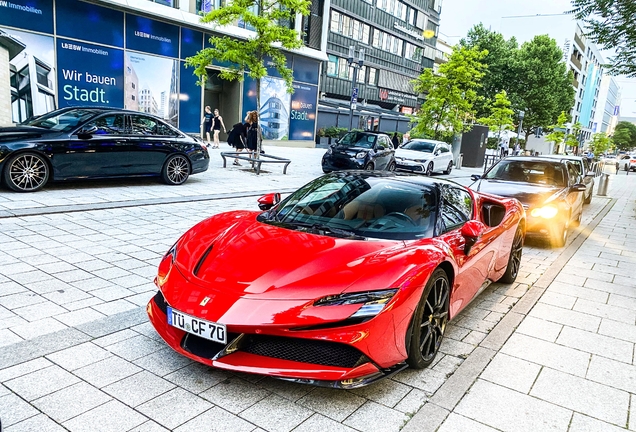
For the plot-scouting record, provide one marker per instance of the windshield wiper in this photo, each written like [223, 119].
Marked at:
[324, 229]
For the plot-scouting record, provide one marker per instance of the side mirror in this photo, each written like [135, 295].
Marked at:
[87, 132]
[579, 187]
[475, 177]
[268, 201]
[472, 231]
[437, 152]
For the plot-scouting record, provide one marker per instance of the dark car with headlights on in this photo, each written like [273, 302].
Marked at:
[90, 143]
[360, 150]
[582, 165]
[551, 191]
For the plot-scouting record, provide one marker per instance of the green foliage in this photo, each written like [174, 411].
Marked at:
[544, 83]
[572, 139]
[501, 61]
[250, 54]
[611, 24]
[558, 136]
[450, 95]
[492, 143]
[500, 118]
[624, 136]
[600, 143]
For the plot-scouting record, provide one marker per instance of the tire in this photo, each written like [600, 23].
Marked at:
[326, 171]
[429, 321]
[449, 169]
[577, 222]
[429, 169]
[391, 167]
[176, 170]
[588, 199]
[514, 261]
[369, 166]
[26, 172]
[563, 235]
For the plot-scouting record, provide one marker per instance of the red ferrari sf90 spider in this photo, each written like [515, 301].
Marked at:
[349, 279]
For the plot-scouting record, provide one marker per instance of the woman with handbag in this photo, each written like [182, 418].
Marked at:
[237, 138]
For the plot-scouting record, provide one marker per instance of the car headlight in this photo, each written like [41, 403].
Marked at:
[329, 150]
[166, 265]
[372, 301]
[547, 212]
[361, 155]
[421, 160]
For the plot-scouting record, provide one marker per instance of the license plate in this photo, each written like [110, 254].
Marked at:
[206, 329]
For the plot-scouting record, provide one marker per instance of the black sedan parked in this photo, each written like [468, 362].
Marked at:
[360, 150]
[550, 191]
[81, 143]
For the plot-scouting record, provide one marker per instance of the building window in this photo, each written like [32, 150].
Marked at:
[335, 21]
[377, 38]
[420, 23]
[413, 52]
[332, 66]
[372, 77]
[344, 71]
[412, 14]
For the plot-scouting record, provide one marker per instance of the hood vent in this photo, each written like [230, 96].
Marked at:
[202, 260]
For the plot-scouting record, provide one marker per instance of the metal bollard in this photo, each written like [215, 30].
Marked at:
[460, 161]
[602, 185]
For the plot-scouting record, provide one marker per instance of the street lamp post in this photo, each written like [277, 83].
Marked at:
[356, 63]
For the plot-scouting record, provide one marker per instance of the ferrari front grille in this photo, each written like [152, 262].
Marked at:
[304, 351]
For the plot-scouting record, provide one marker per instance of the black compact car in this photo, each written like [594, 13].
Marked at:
[87, 143]
[551, 191]
[360, 150]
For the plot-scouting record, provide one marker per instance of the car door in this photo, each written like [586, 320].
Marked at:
[97, 149]
[443, 158]
[384, 152]
[574, 198]
[151, 142]
[457, 207]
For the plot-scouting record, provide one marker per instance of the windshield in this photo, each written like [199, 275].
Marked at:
[61, 121]
[358, 139]
[351, 206]
[545, 173]
[423, 146]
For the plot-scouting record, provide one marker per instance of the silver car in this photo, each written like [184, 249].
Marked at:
[582, 164]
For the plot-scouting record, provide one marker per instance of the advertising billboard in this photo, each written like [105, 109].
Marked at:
[151, 36]
[302, 117]
[99, 24]
[89, 75]
[274, 111]
[36, 15]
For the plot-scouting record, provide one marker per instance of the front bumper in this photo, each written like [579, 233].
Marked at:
[412, 166]
[337, 357]
[544, 228]
[338, 162]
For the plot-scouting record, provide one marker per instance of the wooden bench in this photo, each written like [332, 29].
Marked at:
[256, 162]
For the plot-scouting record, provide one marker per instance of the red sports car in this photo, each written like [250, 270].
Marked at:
[349, 279]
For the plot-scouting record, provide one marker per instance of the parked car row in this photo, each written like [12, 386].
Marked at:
[90, 143]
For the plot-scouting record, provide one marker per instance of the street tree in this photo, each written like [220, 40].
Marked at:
[450, 95]
[500, 118]
[250, 55]
[600, 143]
[572, 139]
[501, 62]
[557, 136]
[624, 136]
[544, 83]
[610, 23]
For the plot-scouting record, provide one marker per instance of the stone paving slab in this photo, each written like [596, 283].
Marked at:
[129, 377]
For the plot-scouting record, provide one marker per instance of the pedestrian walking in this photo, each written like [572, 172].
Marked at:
[217, 123]
[254, 134]
[406, 138]
[517, 149]
[395, 140]
[503, 148]
[237, 138]
[206, 123]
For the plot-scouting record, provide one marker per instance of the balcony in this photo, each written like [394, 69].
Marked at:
[575, 83]
[576, 62]
[579, 42]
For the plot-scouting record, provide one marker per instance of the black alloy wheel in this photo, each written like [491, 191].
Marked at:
[429, 321]
[369, 166]
[391, 167]
[429, 169]
[514, 261]
[562, 237]
[26, 172]
[176, 170]
[449, 169]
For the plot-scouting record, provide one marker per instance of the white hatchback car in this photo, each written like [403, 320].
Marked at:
[424, 156]
[627, 162]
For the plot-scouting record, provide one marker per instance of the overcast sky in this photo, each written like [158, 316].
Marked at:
[458, 16]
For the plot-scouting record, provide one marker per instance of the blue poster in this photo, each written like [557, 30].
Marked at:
[98, 24]
[189, 101]
[302, 117]
[34, 15]
[306, 70]
[89, 75]
[249, 94]
[191, 42]
[155, 37]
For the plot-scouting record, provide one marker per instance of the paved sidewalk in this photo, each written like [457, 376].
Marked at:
[78, 353]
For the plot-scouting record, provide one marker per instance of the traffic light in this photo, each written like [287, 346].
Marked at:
[538, 133]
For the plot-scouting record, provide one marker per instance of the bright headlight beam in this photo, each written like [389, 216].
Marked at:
[547, 212]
